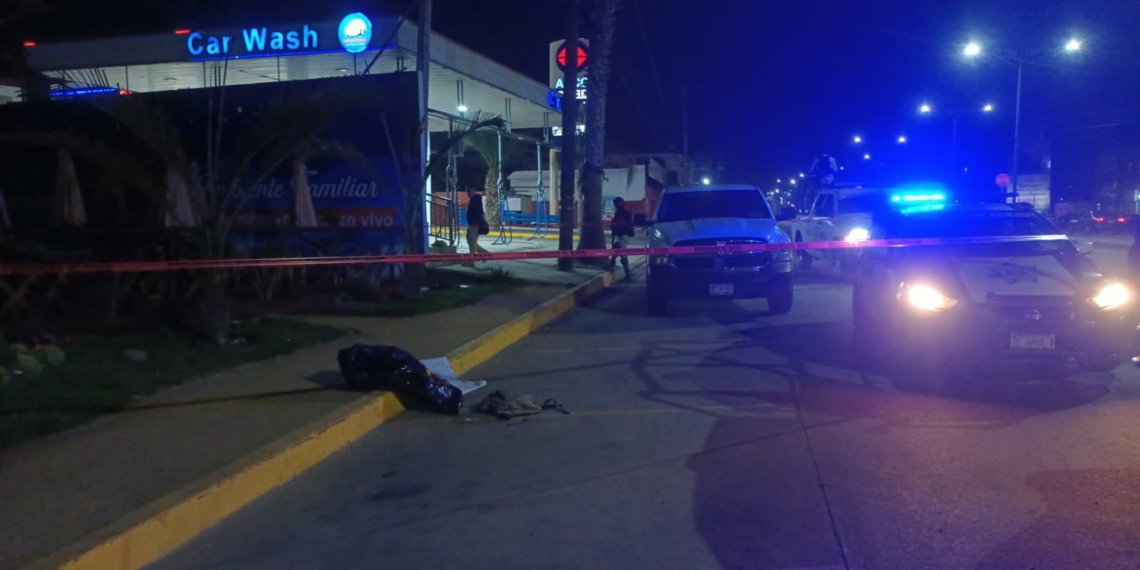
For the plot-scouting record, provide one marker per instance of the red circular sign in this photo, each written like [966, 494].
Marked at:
[561, 57]
[1002, 180]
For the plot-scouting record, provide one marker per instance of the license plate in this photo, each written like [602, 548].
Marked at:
[720, 289]
[1032, 341]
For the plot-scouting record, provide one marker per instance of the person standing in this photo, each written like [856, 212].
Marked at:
[621, 229]
[476, 222]
[824, 168]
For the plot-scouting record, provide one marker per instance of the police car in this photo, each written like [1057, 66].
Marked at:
[940, 313]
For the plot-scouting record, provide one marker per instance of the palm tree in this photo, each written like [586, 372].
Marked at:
[486, 143]
[604, 15]
[240, 151]
[415, 231]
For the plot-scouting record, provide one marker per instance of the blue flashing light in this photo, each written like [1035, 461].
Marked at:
[920, 194]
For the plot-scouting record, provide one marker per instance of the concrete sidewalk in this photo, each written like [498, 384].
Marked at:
[535, 270]
[61, 489]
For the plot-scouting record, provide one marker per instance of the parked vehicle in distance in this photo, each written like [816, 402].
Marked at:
[1076, 223]
[1112, 223]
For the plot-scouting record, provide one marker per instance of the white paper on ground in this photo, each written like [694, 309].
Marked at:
[442, 367]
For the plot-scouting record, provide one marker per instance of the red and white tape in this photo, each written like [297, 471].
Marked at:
[199, 264]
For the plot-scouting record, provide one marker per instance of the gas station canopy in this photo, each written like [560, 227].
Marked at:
[462, 81]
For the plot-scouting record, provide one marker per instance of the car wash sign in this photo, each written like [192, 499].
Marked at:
[353, 34]
[563, 55]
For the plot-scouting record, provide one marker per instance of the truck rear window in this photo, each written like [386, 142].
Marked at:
[862, 203]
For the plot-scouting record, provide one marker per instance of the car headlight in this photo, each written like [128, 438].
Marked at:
[1111, 296]
[926, 298]
[857, 235]
[660, 259]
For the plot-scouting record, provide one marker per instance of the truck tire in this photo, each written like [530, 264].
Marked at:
[655, 300]
[805, 257]
[781, 296]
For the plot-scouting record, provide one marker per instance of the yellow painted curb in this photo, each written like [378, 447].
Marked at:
[478, 351]
[170, 522]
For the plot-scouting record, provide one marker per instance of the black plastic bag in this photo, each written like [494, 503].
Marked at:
[391, 368]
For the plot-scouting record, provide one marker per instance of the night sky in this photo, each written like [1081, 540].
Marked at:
[770, 83]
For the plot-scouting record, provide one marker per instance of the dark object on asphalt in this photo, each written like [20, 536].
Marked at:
[507, 406]
[394, 369]
[552, 404]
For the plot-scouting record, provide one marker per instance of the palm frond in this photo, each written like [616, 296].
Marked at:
[440, 155]
[151, 126]
[120, 166]
[345, 152]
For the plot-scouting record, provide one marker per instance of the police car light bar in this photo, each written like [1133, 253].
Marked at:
[911, 198]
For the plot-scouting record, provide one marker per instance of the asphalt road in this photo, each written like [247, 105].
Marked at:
[720, 437]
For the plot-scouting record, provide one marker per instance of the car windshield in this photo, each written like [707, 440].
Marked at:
[862, 203]
[983, 223]
[682, 206]
[977, 224]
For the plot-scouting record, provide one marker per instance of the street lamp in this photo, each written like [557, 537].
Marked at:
[706, 181]
[801, 175]
[955, 113]
[778, 181]
[902, 140]
[858, 139]
[462, 108]
[793, 181]
[866, 157]
[973, 49]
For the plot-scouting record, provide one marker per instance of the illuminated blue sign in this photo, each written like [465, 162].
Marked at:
[355, 32]
[254, 40]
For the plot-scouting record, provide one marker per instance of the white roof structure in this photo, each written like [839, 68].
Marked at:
[165, 62]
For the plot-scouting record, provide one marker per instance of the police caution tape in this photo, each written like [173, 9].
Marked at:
[204, 264]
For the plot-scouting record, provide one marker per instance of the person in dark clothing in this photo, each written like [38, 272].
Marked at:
[476, 221]
[620, 229]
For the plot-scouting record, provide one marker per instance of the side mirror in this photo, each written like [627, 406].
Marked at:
[1084, 246]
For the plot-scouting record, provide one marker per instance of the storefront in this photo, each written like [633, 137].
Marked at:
[463, 83]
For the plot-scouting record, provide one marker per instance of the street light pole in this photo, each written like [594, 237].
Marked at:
[1017, 128]
[954, 144]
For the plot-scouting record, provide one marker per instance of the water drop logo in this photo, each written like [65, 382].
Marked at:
[355, 32]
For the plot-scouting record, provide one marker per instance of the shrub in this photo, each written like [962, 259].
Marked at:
[28, 364]
[49, 355]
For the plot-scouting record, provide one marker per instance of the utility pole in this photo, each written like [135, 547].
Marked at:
[685, 136]
[566, 210]
[1017, 130]
[423, 65]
